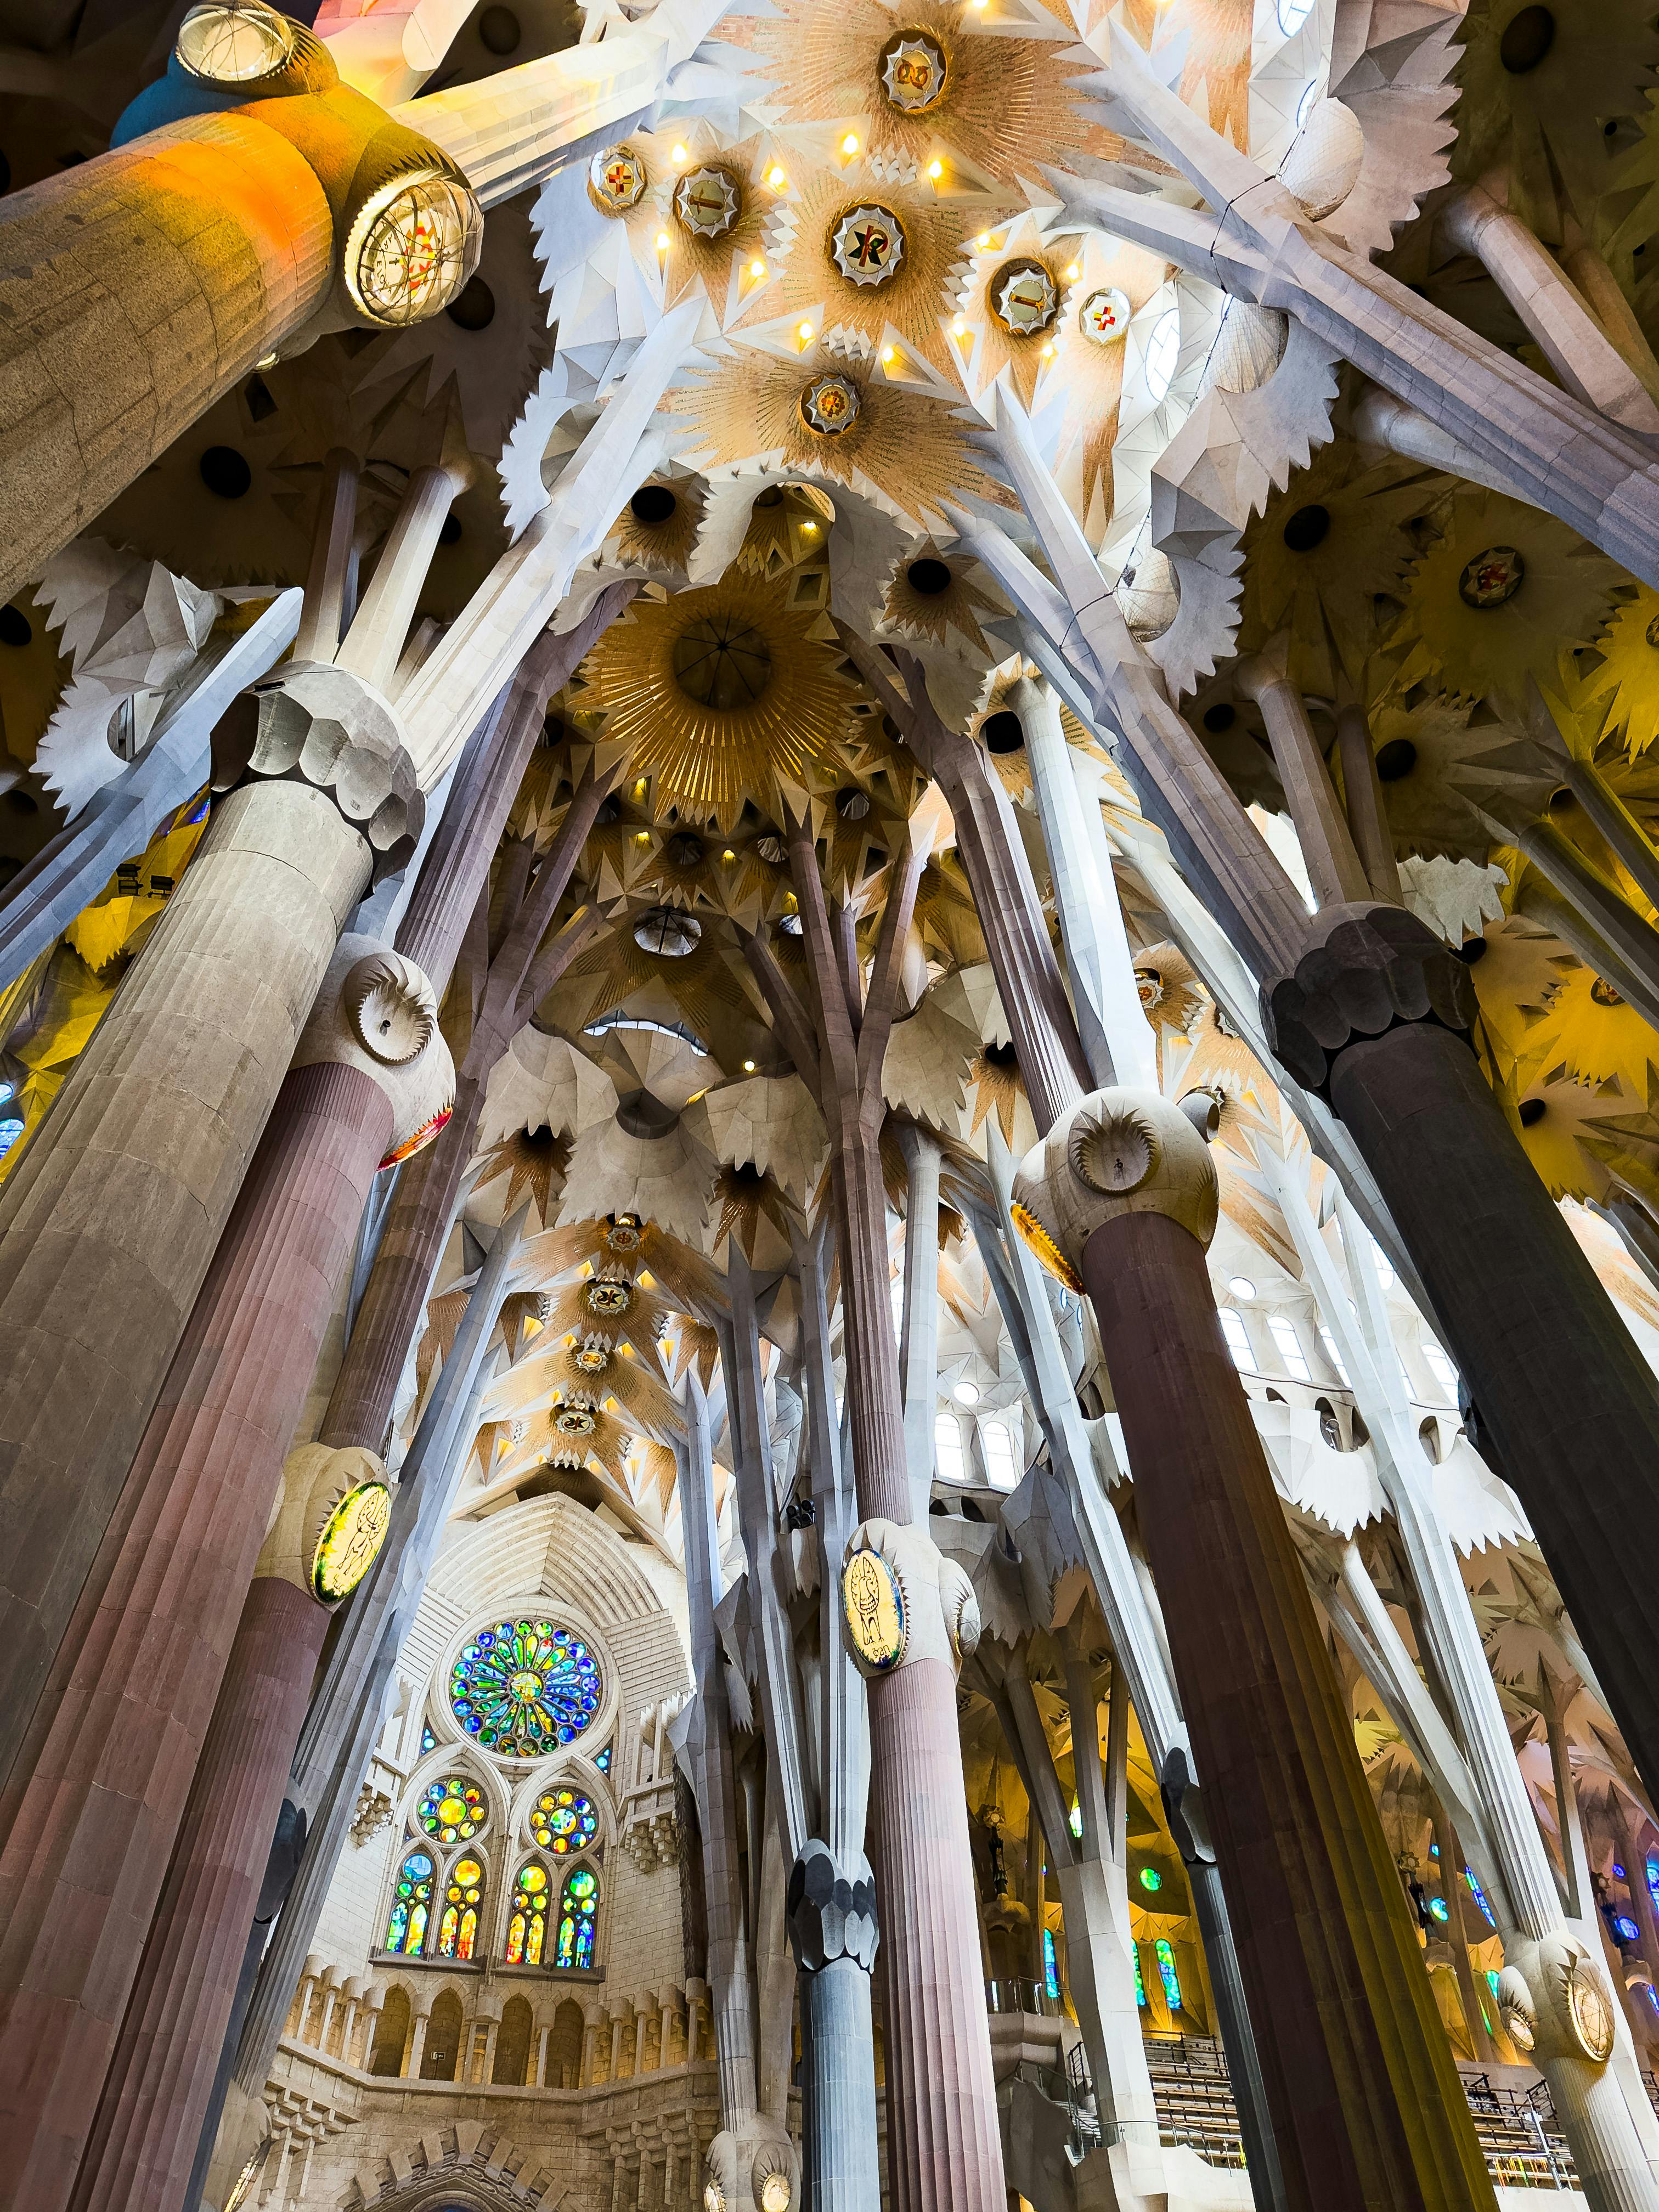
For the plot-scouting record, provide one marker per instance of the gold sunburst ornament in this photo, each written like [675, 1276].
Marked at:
[720, 693]
[867, 244]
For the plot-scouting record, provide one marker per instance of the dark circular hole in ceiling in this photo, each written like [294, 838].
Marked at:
[684, 850]
[1004, 731]
[1527, 38]
[16, 628]
[1220, 717]
[852, 804]
[929, 577]
[1395, 759]
[22, 802]
[1308, 527]
[998, 1055]
[499, 30]
[224, 472]
[451, 532]
[1531, 1112]
[651, 504]
[609, 811]
[474, 307]
[721, 662]
[1473, 950]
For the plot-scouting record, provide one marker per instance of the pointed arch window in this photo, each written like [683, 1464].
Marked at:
[526, 1927]
[411, 1905]
[564, 1821]
[1167, 1974]
[578, 1910]
[457, 1931]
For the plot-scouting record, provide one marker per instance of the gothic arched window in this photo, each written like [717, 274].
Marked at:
[452, 1811]
[457, 1931]
[578, 1909]
[526, 1927]
[411, 1904]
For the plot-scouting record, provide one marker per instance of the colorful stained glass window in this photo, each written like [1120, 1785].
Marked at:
[1653, 1880]
[603, 1762]
[577, 1909]
[428, 1741]
[1480, 1895]
[564, 1821]
[1140, 1986]
[526, 1927]
[1167, 1974]
[1150, 1878]
[1074, 1818]
[411, 1904]
[457, 1931]
[524, 1688]
[1050, 1965]
[453, 1811]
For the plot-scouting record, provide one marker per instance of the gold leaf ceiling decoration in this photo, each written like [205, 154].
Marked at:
[907, 449]
[723, 694]
[1007, 106]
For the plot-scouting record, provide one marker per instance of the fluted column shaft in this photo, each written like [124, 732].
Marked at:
[137, 288]
[161, 2074]
[87, 1849]
[840, 2152]
[108, 1227]
[1367, 2107]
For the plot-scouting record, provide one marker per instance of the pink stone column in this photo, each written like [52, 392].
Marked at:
[156, 2091]
[88, 1852]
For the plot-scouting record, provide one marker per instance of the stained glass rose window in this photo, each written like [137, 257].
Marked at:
[563, 1820]
[524, 1688]
[452, 1810]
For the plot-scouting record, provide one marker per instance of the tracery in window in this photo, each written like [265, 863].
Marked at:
[524, 1688]
[457, 1931]
[564, 1821]
[411, 1904]
[526, 1927]
[578, 1910]
[452, 1811]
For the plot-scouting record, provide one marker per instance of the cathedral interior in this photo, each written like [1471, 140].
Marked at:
[829, 1105]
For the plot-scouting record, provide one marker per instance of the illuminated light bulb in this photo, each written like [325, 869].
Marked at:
[749, 1068]
[679, 155]
[776, 178]
[805, 333]
[643, 837]
[1047, 353]
[728, 854]
[640, 787]
[662, 241]
[958, 328]
[888, 356]
[757, 269]
[983, 241]
[809, 529]
[849, 144]
[936, 169]
[1071, 272]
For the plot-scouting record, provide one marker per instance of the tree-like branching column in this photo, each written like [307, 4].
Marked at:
[943, 2144]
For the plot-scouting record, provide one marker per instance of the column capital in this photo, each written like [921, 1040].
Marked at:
[377, 1013]
[309, 722]
[752, 2169]
[902, 1600]
[1366, 970]
[1555, 2002]
[1116, 1152]
[831, 1909]
[331, 1519]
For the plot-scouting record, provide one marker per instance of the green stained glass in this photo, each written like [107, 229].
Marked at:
[411, 1903]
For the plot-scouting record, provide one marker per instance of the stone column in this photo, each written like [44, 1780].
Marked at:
[696, 1993]
[143, 283]
[590, 2042]
[422, 2020]
[618, 2029]
[1563, 1403]
[1366, 2105]
[1327, 848]
[919, 1335]
[120, 1201]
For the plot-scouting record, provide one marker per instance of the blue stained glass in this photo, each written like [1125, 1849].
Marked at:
[1651, 1993]
[579, 1907]
[1140, 1986]
[524, 1687]
[1439, 1908]
[1480, 1896]
[10, 1130]
[1167, 1974]
[1653, 1880]
[603, 1762]
[1491, 1979]
[411, 1903]
[428, 1741]
[1050, 1964]
[1625, 1928]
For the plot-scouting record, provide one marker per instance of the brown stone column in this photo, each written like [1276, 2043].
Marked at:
[1563, 1403]
[1366, 2106]
[90, 1837]
[107, 1229]
[156, 2091]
